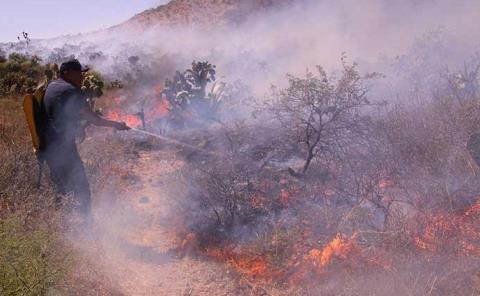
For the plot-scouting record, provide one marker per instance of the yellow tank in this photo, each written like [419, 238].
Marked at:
[32, 106]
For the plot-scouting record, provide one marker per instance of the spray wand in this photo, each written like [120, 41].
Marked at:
[167, 139]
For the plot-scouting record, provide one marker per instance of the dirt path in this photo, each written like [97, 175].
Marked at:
[132, 247]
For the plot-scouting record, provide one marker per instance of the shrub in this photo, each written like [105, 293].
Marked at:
[19, 73]
[322, 112]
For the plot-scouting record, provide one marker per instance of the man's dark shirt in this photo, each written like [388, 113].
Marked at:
[63, 103]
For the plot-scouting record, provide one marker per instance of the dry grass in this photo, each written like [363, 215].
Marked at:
[35, 256]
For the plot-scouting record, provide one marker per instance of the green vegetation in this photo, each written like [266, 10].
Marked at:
[28, 265]
[187, 93]
[19, 73]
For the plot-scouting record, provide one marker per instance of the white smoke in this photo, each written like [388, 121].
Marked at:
[265, 47]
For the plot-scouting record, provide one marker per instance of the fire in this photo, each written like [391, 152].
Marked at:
[292, 258]
[114, 115]
[155, 106]
[442, 232]
[160, 110]
[339, 247]
[131, 120]
[247, 264]
[250, 265]
[452, 232]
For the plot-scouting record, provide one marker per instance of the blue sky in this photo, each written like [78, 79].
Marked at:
[51, 18]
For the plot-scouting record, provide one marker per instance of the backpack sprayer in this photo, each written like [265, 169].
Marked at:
[33, 108]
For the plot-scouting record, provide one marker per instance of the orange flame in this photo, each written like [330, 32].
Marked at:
[130, 120]
[452, 232]
[133, 121]
[250, 266]
[339, 247]
[161, 109]
[113, 115]
[242, 263]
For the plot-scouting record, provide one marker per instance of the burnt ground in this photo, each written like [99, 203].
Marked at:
[132, 245]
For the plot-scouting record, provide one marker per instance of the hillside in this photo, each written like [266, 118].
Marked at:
[200, 12]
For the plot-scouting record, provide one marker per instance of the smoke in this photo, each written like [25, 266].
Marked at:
[411, 42]
[264, 47]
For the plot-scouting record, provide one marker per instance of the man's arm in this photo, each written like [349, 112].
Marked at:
[94, 119]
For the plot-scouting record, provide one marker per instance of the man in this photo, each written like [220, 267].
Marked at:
[65, 105]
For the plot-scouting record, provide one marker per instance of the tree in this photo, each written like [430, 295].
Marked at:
[321, 111]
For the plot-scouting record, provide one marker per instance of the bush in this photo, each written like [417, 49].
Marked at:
[19, 74]
[322, 112]
[381, 186]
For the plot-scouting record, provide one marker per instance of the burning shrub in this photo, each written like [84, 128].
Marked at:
[246, 209]
[263, 223]
[369, 204]
[451, 233]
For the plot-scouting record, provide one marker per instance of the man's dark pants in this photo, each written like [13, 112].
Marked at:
[68, 173]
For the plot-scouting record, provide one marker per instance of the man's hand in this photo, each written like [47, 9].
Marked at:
[121, 126]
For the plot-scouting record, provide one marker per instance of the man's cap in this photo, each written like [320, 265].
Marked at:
[73, 65]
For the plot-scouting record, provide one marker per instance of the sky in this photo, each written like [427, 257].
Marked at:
[52, 18]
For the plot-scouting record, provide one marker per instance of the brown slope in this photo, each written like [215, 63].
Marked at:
[200, 13]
